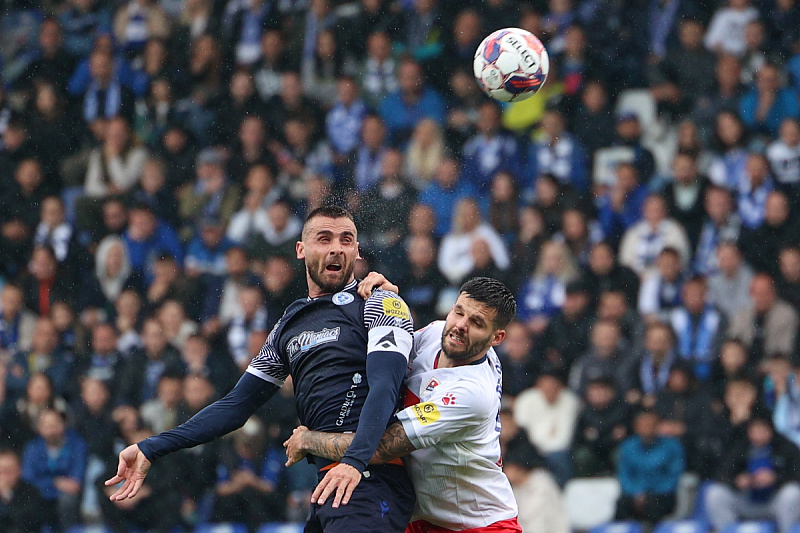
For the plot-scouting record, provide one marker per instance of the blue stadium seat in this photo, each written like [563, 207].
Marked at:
[222, 527]
[682, 526]
[750, 527]
[618, 527]
[281, 527]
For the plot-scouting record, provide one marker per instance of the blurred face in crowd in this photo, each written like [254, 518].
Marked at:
[669, 265]
[278, 274]
[574, 225]
[599, 395]
[601, 259]
[195, 353]
[729, 259]
[447, 173]
[197, 392]
[114, 216]
[646, 426]
[678, 380]
[272, 45]
[467, 28]
[10, 471]
[503, 188]
[789, 262]
[379, 47]
[50, 37]
[553, 124]
[729, 129]
[251, 133]
[153, 176]
[694, 296]
[101, 67]
[690, 34]
[153, 338]
[594, 97]
[421, 220]
[52, 211]
[739, 395]
[518, 343]
[128, 304]
[613, 306]
[776, 211]
[768, 79]
[760, 433]
[11, 299]
[292, 89]
[550, 387]
[718, 204]
[658, 341]
[259, 180]
[733, 357]
[392, 165]
[421, 252]
[236, 262]
[347, 91]
[790, 132]
[762, 291]
[43, 265]
[242, 88]
[51, 428]
[141, 224]
[605, 338]
[29, 175]
[104, 339]
[172, 316]
[488, 118]
[250, 299]
[427, 133]
[553, 258]
[373, 132]
[575, 42]
[481, 254]
[627, 177]
[757, 169]
[684, 169]
[39, 391]
[94, 394]
[170, 391]
[654, 210]
[409, 78]
[467, 216]
[575, 303]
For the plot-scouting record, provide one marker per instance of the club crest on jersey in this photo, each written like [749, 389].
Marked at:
[342, 298]
[309, 339]
[396, 308]
[432, 384]
[449, 399]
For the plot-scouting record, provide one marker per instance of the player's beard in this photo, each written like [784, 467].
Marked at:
[465, 353]
[330, 281]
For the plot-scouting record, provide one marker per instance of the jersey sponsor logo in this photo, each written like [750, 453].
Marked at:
[395, 307]
[426, 413]
[309, 339]
[432, 384]
[449, 399]
[342, 298]
[388, 341]
[349, 399]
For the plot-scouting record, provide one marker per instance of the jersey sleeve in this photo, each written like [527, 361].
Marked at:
[387, 320]
[268, 364]
[443, 417]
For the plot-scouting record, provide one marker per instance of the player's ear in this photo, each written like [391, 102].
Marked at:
[300, 249]
[358, 250]
[498, 336]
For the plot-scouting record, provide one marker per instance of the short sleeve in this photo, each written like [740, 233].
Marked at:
[446, 414]
[388, 322]
[268, 364]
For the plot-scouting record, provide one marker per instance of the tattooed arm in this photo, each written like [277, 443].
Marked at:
[333, 446]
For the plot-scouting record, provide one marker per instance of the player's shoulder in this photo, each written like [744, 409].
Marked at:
[382, 305]
[474, 394]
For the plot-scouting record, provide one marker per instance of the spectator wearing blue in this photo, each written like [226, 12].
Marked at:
[345, 119]
[722, 224]
[205, 254]
[629, 135]
[657, 359]
[104, 94]
[621, 207]
[82, 21]
[757, 480]
[369, 154]
[446, 190]
[557, 152]
[45, 356]
[147, 237]
[414, 101]
[766, 105]
[783, 384]
[648, 467]
[490, 150]
[55, 463]
[754, 189]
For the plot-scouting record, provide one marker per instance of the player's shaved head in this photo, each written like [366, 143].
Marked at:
[326, 211]
[494, 295]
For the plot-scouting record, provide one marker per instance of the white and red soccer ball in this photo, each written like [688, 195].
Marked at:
[511, 65]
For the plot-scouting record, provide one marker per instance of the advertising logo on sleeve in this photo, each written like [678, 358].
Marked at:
[396, 308]
[426, 413]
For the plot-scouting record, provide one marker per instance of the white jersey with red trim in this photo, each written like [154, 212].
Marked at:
[452, 418]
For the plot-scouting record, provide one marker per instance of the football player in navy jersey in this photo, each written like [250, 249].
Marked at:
[347, 357]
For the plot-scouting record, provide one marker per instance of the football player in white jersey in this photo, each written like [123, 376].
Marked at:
[448, 432]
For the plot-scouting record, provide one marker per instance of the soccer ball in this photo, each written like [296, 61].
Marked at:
[511, 65]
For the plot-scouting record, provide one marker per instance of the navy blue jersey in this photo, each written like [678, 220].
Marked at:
[324, 343]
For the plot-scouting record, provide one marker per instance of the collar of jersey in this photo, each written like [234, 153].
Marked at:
[349, 286]
[476, 362]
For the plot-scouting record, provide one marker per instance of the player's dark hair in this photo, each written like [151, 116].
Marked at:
[493, 294]
[327, 211]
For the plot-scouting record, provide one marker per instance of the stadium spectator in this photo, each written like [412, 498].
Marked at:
[45, 356]
[18, 323]
[722, 224]
[769, 325]
[760, 246]
[424, 153]
[620, 207]
[518, 356]
[444, 192]
[602, 425]
[757, 479]
[413, 101]
[685, 195]
[788, 282]
[607, 358]
[661, 287]
[491, 150]
[754, 189]
[603, 273]
[22, 505]
[544, 293]
[656, 362]
[558, 153]
[730, 285]
[765, 106]
[648, 470]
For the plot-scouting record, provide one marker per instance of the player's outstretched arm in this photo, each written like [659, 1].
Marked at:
[393, 444]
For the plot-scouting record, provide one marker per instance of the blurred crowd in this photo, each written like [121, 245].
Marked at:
[157, 159]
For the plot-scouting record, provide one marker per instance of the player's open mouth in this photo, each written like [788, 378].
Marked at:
[455, 338]
[334, 267]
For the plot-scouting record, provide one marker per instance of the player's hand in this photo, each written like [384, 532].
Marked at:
[376, 280]
[132, 469]
[343, 479]
[294, 446]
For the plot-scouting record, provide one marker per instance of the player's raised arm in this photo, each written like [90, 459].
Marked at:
[394, 444]
[263, 378]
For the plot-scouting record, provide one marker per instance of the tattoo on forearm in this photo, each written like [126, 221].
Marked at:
[328, 445]
[393, 444]
[333, 446]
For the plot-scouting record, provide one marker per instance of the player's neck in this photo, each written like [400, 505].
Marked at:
[442, 361]
[315, 291]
